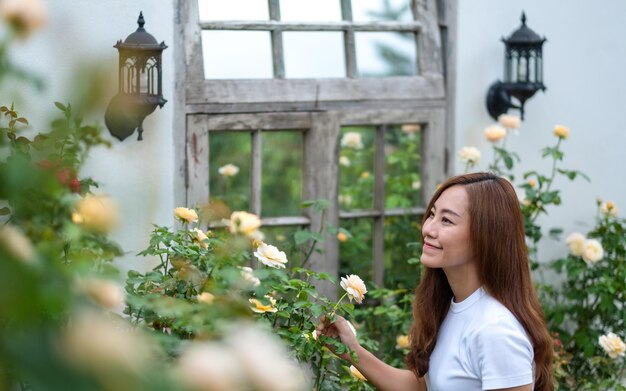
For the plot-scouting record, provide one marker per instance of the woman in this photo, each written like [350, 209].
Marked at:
[477, 323]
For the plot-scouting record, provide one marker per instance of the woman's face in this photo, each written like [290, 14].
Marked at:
[447, 231]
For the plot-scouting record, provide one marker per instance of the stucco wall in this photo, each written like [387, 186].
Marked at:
[585, 58]
[137, 174]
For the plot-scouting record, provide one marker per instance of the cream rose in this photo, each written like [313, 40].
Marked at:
[402, 342]
[96, 213]
[228, 170]
[186, 215]
[356, 373]
[248, 277]
[612, 345]
[18, 244]
[592, 251]
[416, 185]
[271, 256]
[365, 175]
[495, 133]
[104, 292]
[411, 129]
[561, 131]
[200, 237]
[206, 297]
[244, 223]
[469, 155]
[24, 15]
[609, 209]
[352, 140]
[575, 243]
[344, 161]
[354, 286]
[345, 199]
[509, 121]
[261, 308]
[210, 366]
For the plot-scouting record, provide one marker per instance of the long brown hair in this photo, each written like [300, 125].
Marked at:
[501, 256]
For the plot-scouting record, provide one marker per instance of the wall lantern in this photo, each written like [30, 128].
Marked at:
[139, 85]
[523, 72]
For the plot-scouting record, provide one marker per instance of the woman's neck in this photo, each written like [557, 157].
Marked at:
[463, 281]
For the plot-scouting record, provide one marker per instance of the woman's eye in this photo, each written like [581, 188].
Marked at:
[445, 220]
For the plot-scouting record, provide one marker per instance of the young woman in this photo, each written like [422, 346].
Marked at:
[477, 323]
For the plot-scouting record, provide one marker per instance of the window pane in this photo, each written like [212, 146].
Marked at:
[402, 251]
[237, 55]
[314, 54]
[366, 10]
[282, 174]
[386, 54]
[233, 10]
[282, 238]
[355, 253]
[356, 168]
[310, 11]
[402, 166]
[230, 184]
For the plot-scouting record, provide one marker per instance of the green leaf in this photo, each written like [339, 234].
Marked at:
[60, 106]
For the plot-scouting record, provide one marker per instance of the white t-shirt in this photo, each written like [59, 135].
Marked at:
[480, 346]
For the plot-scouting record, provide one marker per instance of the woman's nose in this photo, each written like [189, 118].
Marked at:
[429, 229]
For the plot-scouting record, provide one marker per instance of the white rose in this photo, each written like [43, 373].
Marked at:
[416, 185]
[16, 243]
[495, 133]
[352, 140]
[469, 155]
[200, 237]
[354, 286]
[228, 170]
[344, 161]
[248, 277]
[509, 121]
[271, 256]
[612, 345]
[345, 199]
[592, 251]
[609, 209]
[575, 243]
[244, 223]
[210, 366]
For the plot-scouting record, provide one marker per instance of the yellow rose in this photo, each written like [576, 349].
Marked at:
[561, 131]
[200, 237]
[612, 345]
[402, 342]
[186, 215]
[354, 286]
[244, 223]
[592, 251]
[342, 237]
[16, 243]
[365, 175]
[532, 183]
[356, 373]
[575, 243]
[261, 308]
[609, 209]
[509, 121]
[228, 170]
[96, 213]
[352, 140]
[495, 133]
[206, 297]
[270, 255]
[24, 16]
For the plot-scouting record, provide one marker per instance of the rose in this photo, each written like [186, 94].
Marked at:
[24, 16]
[469, 155]
[495, 133]
[344, 161]
[402, 342]
[575, 243]
[609, 209]
[612, 345]
[592, 251]
[356, 373]
[210, 366]
[228, 170]
[365, 175]
[200, 237]
[244, 223]
[532, 183]
[270, 255]
[96, 213]
[352, 140]
[16, 243]
[411, 129]
[509, 121]
[354, 287]
[342, 237]
[345, 199]
[186, 215]
[248, 277]
[416, 185]
[206, 297]
[106, 293]
[261, 308]
[561, 131]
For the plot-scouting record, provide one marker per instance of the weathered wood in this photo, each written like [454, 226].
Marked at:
[378, 237]
[197, 160]
[316, 90]
[274, 25]
[178, 103]
[256, 171]
[450, 59]
[428, 40]
[321, 181]
[348, 41]
[262, 121]
[358, 214]
[433, 153]
[272, 222]
[278, 57]
[193, 42]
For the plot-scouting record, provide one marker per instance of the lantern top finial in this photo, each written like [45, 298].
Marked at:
[524, 35]
[141, 39]
[141, 21]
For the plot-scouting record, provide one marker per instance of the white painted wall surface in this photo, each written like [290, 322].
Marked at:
[584, 71]
[137, 174]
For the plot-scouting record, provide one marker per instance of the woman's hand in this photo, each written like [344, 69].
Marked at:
[340, 330]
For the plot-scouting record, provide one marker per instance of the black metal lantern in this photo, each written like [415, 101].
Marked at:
[523, 71]
[140, 88]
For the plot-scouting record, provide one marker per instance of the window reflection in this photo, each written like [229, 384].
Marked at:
[237, 54]
[314, 54]
[310, 11]
[386, 54]
[233, 10]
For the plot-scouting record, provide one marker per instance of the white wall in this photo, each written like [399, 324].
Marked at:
[137, 174]
[585, 59]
